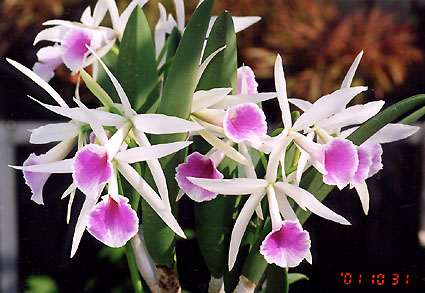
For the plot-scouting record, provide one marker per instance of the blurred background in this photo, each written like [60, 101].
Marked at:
[318, 40]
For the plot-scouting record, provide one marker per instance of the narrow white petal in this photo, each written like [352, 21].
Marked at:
[128, 112]
[305, 199]
[232, 100]
[94, 123]
[180, 194]
[392, 132]
[81, 225]
[99, 12]
[160, 31]
[224, 147]
[285, 208]
[53, 34]
[348, 79]
[150, 196]
[155, 168]
[327, 106]
[302, 161]
[163, 124]
[241, 224]
[69, 190]
[243, 22]
[54, 132]
[115, 142]
[302, 104]
[282, 96]
[351, 116]
[179, 5]
[363, 193]
[236, 186]
[249, 170]
[113, 12]
[125, 15]
[275, 156]
[146, 153]
[259, 212]
[274, 212]
[207, 61]
[63, 166]
[38, 80]
[309, 258]
[205, 99]
[71, 200]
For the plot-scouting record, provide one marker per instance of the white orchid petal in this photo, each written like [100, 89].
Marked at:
[99, 12]
[163, 124]
[275, 156]
[54, 132]
[94, 123]
[150, 196]
[38, 80]
[81, 225]
[115, 142]
[350, 116]
[125, 15]
[243, 22]
[179, 5]
[236, 186]
[241, 224]
[392, 132]
[282, 96]
[113, 12]
[207, 61]
[63, 166]
[205, 99]
[363, 193]
[327, 106]
[302, 104]
[232, 100]
[224, 147]
[160, 31]
[155, 168]
[305, 198]
[348, 79]
[71, 200]
[285, 208]
[53, 34]
[146, 153]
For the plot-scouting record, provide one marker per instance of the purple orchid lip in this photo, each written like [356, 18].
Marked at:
[286, 246]
[365, 162]
[245, 122]
[113, 221]
[375, 150]
[340, 161]
[91, 168]
[198, 166]
[35, 180]
[251, 83]
[74, 49]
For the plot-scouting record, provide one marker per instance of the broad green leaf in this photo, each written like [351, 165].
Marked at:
[176, 101]
[136, 64]
[173, 43]
[277, 279]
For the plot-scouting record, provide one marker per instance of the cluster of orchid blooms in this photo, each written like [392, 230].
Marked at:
[109, 142]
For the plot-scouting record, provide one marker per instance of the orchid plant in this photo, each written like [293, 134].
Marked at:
[183, 119]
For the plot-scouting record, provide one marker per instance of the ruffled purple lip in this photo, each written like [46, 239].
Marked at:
[197, 166]
[113, 221]
[286, 246]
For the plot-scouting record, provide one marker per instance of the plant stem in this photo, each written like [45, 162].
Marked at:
[134, 272]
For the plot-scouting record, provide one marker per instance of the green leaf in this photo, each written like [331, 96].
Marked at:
[173, 43]
[277, 279]
[222, 70]
[110, 60]
[415, 116]
[176, 101]
[41, 284]
[295, 277]
[136, 64]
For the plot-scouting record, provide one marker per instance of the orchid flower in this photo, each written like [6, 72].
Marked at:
[235, 117]
[71, 38]
[278, 207]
